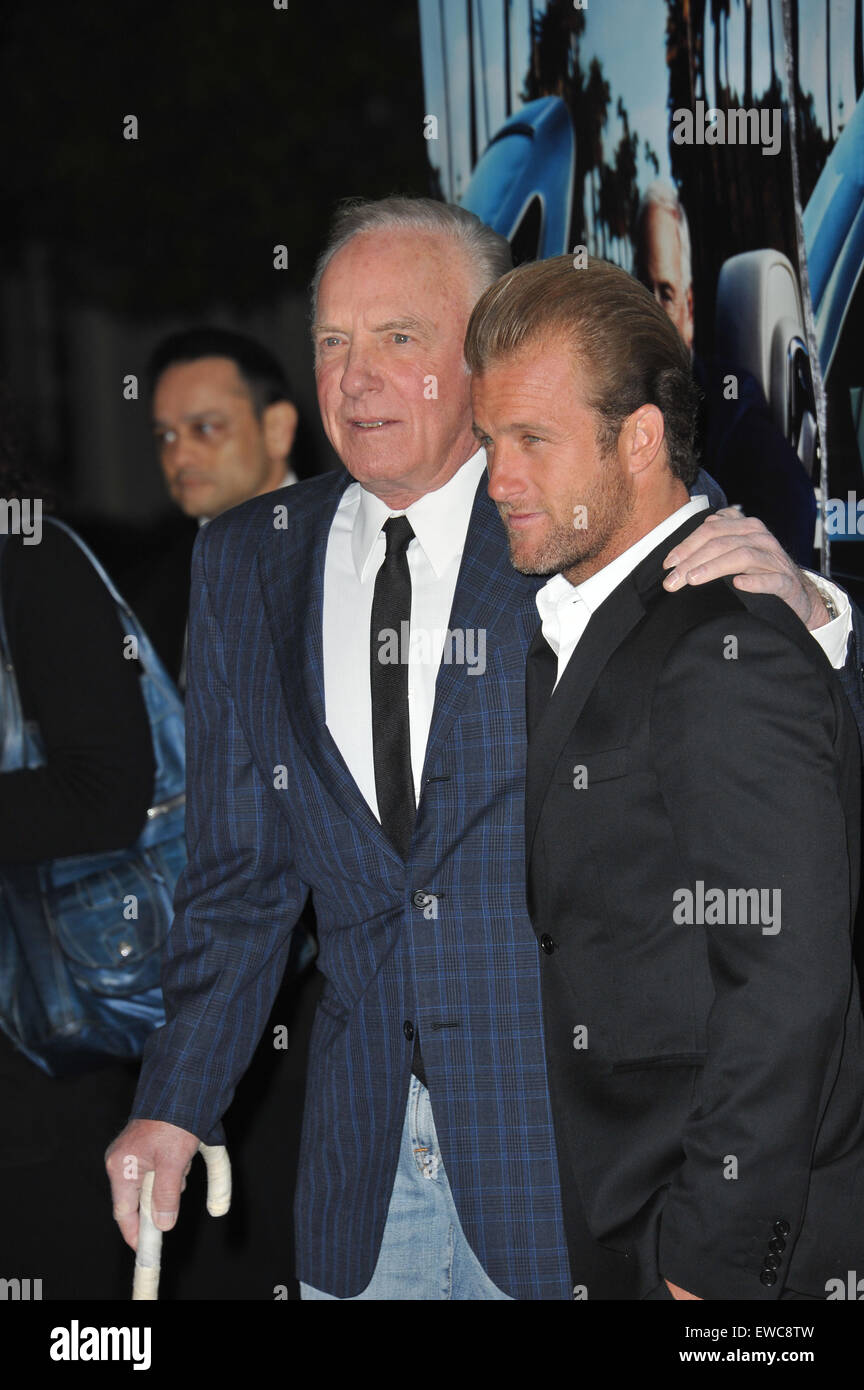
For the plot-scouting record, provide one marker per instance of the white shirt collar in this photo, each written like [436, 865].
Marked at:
[431, 516]
[559, 597]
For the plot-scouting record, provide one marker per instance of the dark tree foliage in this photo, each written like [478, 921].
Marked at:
[736, 198]
[814, 146]
[557, 69]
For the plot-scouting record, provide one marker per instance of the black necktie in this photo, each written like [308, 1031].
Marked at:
[541, 672]
[391, 731]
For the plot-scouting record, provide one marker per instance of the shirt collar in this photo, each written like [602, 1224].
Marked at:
[438, 519]
[597, 588]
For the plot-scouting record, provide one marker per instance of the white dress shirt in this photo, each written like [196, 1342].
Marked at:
[355, 552]
[565, 609]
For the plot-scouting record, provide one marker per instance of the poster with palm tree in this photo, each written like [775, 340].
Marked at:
[682, 139]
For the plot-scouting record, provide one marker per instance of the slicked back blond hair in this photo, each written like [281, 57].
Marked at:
[626, 350]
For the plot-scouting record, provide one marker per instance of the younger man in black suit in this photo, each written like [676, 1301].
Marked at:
[692, 828]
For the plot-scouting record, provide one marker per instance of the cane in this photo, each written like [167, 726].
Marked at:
[148, 1257]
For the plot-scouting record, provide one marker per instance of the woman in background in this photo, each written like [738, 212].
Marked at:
[92, 794]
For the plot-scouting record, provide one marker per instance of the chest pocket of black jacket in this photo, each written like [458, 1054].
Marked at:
[651, 978]
[583, 770]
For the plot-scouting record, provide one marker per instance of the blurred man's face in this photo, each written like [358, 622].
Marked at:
[213, 449]
[565, 505]
[392, 385]
[663, 271]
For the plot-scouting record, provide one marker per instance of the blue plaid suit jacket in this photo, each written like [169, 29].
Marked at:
[273, 813]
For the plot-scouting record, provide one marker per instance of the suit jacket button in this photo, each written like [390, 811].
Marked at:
[768, 1277]
[777, 1245]
[771, 1261]
[547, 944]
[408, 1029]
[420, 899]
[782, 1228]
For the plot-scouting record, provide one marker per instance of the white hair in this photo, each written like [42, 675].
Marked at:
[487, 252]
[661, 194]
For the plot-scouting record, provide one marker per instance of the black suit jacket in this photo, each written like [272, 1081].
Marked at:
[707, 1078]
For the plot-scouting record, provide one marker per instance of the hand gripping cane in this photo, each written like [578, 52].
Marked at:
[145, 1285]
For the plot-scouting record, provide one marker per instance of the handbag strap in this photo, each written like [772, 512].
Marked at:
[12, 749]
[14, 754]
[149, 661]
[145, 649]
[4, 641]
[98, 567]
[166, 717]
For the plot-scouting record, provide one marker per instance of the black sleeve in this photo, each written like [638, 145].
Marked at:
[852, 674]
[753, 788]
[66, 642]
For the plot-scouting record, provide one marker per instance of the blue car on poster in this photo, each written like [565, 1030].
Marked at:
[834, 239]
[834, 236]
[522, 184]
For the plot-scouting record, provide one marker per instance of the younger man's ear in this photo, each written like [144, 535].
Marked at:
[642, 436]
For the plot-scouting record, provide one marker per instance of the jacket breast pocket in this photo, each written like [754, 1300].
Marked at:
[584, 770]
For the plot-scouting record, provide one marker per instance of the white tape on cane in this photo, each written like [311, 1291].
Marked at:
[218, 1178]
[148, 1257]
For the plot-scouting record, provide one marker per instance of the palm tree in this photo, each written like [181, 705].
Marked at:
[719, 18]
[472, 102]
[694, 29]
[448, 143]
[594, 116]
[828, 69]
[507, 101]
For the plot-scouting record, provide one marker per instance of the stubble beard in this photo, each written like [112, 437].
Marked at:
[565, 548]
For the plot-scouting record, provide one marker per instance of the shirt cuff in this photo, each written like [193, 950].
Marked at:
[833, 636]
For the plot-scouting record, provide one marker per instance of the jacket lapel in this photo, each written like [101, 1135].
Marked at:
[607, 628]
[291, 569]
[490, 598]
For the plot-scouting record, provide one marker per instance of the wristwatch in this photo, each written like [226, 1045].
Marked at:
[833, 611]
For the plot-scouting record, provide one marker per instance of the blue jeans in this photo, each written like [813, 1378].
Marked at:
[424, 1253]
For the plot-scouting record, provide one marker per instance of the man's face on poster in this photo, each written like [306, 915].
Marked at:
[663, 271]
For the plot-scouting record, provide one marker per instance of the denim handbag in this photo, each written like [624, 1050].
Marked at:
[81, 936]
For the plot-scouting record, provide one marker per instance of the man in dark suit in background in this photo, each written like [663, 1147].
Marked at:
[225, 425]
[692, 828]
